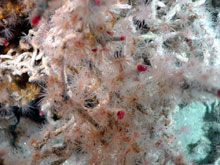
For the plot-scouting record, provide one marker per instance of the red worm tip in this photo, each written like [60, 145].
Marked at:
[120, 114]
[97, 2]
[41, 113]
[94, 50]
[109, 33]
[35, 20]
[6, 43]
[188, 40]
[142, 68]
[122, 38]
[218, 93]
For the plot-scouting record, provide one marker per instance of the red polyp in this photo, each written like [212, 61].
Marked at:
[35, 20]
[142, 68]
[120, 114]
[218, 93]
[94, 50]
[5, 43]
[122, 38]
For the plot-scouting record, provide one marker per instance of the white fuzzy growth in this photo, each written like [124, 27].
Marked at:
[180, 44]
